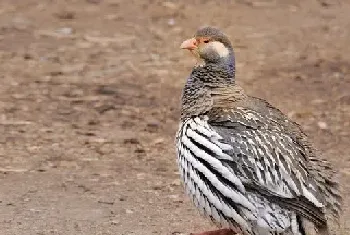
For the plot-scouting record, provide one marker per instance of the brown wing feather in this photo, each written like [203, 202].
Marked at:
[254, 116]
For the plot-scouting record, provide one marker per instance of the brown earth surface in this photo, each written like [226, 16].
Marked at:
[89, 103]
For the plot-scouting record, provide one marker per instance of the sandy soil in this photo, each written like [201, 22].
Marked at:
[89, 103]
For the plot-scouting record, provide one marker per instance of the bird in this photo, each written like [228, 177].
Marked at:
[244, 164]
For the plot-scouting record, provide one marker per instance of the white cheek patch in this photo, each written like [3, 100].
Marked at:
[220, 49]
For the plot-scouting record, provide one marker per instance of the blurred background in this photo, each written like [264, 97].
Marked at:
[90, 96]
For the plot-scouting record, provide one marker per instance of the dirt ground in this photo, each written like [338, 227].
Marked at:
[89, 103]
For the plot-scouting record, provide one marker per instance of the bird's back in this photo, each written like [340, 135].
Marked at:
[278, 132]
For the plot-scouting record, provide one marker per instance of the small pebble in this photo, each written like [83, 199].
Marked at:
[65, 31]
[128, 211]
[115, 222]
[322, 125]
[171, 22]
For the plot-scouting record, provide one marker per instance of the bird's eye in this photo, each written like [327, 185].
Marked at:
[206, 41]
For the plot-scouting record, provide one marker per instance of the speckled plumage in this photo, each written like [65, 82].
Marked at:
[244, 164]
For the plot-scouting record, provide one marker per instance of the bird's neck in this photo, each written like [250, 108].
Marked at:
[229, 65]
[210, 86]
[223, 67]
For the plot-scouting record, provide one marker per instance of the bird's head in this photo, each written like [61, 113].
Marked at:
[211, 45]
[205, 85]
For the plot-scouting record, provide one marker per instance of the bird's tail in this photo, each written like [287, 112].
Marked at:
[328, 183]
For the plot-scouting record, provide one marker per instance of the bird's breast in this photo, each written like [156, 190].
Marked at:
[214, 188]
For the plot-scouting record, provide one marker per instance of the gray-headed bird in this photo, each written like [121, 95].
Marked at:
[243, 163]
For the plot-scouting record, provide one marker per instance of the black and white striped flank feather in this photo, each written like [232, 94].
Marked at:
[244, 164]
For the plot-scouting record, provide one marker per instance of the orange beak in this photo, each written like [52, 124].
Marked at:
[189, 44]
